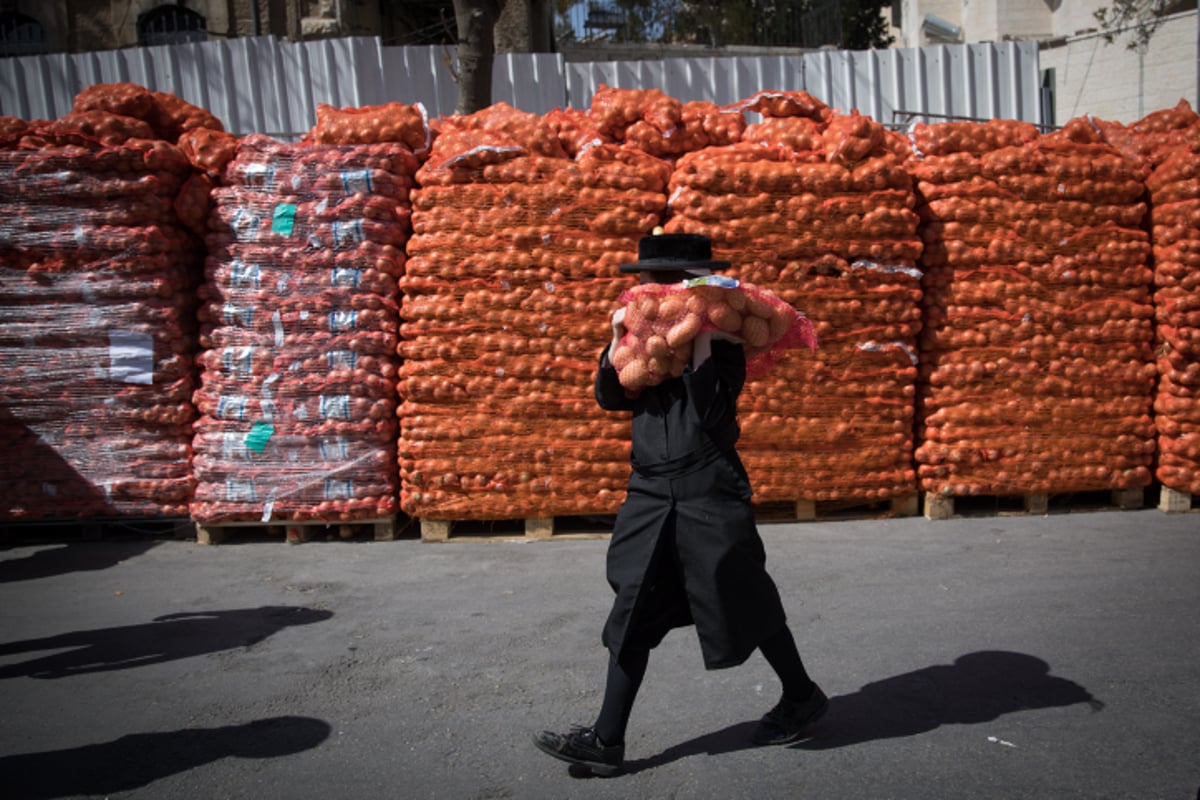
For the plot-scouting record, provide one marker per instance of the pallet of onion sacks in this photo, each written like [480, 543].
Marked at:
[299, 325]
[98, 270]
[511, 277]
[816, 207]
[520, 224]
[1037, 364]
[1167, 142]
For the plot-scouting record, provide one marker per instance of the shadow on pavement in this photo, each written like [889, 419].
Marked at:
[978, 687]
[727, 740]
[64, 559]
[139, 759]
[167, 638]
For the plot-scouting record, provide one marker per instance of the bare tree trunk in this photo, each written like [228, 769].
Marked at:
[525, 26]
[476, 21]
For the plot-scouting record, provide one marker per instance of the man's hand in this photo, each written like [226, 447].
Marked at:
[702, 345]
[618, 328]
[618, 323]
[701, 348]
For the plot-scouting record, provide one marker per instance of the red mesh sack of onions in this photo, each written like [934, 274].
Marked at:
[663, 320]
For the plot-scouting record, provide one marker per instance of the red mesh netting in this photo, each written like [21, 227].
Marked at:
[123, 99]
[167, 115]
[299, 327]
[389, 123]
[173, 116]
[1152, 139]
[114, 113]
[209, 150]
[655, 123]
[816, 207]
[1036, 357]
[662, 321]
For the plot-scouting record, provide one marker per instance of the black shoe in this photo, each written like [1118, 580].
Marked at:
[582, 746]
[785, 723]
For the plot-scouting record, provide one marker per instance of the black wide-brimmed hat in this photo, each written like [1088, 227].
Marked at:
[671, 252]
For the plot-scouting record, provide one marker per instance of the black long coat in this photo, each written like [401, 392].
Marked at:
[685, 549]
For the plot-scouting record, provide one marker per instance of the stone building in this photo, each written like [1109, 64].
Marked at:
[76, 26]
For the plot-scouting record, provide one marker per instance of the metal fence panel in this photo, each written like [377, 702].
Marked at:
[29, 85]
[976, 81]
[532, 82]
[981, 80]
[722, 80]
[422, 75]
[268, 85]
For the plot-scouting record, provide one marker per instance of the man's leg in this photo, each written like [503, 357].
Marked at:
[803, 702]
[601, 748]
[624, 679]
[781, 653]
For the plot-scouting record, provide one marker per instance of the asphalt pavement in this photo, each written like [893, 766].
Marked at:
[1053, 656]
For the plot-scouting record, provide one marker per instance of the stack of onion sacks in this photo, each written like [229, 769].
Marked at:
[520, 224]
[97, 327]
[662, 322]
[1036, 360]
[1175, 217]
[1167, 142]
[198, 133]
[1154, 138]
[299, 331]
[816, 207]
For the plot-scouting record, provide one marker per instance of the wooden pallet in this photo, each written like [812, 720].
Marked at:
[600, 527]
[528, 529]
[828, 511]
[380, 530]
[1173, 501]
[950, 507]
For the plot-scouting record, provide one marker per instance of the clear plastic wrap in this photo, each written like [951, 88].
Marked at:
[299, 327]
[97, 331]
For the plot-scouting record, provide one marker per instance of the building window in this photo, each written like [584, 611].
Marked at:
[21, 35]
[171, 25]
[1047, 98]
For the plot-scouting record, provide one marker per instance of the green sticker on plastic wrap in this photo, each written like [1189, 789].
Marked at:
[260, 433]
[283, 220]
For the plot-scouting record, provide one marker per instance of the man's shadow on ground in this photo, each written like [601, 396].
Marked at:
[166, 638]
[977, 687]
[140, 759]
[63, 559]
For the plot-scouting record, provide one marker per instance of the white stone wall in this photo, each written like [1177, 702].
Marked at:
[1111, 82]
[1091, 76]
[912, 12]
[1076, 16]
[1022, 19]
[996, 20]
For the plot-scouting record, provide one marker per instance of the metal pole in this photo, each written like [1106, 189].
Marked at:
[1141, 51]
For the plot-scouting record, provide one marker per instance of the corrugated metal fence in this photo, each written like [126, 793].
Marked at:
[982, 80]
[268, 85]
